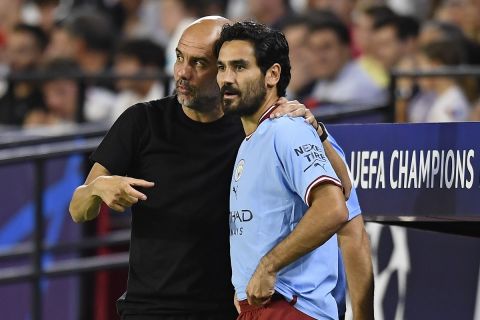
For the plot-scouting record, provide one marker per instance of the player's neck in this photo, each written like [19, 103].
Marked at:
[250, 123]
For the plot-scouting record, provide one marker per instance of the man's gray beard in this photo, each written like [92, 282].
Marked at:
[203, 104]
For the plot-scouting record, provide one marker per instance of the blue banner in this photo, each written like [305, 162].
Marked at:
[422, 170]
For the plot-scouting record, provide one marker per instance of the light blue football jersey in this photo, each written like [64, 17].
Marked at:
[275, 170]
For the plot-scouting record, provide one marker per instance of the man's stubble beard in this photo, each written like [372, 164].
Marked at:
[201, 103]
[249, 104]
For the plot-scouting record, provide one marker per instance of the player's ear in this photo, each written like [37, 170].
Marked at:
[272, 76]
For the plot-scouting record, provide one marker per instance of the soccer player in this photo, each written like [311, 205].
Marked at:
[286, 201]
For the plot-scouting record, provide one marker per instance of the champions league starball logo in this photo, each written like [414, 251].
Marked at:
[238, 170]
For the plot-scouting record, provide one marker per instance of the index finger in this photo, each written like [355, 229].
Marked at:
[140, 182]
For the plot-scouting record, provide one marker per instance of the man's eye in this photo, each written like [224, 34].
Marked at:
[220, 67]
[239, 68]
[179, 58]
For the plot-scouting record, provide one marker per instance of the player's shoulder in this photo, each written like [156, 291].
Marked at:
[288, 125]
[288, 132]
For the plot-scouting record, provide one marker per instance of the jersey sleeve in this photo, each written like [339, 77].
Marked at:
[353, 205]
[117, 150]
[303, 158]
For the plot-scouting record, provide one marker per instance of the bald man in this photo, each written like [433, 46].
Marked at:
[170, 160]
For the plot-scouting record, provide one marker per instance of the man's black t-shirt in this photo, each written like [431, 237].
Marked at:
[179, 249]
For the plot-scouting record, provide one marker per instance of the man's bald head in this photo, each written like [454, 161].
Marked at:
[195, 69]
[205, 30]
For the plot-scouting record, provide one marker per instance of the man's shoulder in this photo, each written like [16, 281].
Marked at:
[156, 106]
[285, 125]
[166, 102]
[286, 132]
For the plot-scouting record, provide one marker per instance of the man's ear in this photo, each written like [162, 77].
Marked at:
[272, 76]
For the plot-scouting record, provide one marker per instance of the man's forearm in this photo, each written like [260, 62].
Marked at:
[84, 205]
[355, 247]
[326, 215]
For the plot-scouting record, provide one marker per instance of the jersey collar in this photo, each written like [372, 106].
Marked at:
[267, 114]
[264, 117]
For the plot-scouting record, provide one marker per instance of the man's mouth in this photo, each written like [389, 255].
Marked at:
[183, 89]
[230, 93]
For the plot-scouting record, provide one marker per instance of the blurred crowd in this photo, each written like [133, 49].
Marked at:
[342, 54]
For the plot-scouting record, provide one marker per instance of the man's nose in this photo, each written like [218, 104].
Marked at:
[184, 71]
[226, 77]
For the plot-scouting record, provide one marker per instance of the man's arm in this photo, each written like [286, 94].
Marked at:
[325, 216]
[117, 192]
[338, 165]
[355, 246]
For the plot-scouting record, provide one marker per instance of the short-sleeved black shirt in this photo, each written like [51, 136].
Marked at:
[179, 250]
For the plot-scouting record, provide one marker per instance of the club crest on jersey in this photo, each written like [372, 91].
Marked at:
[238, 170]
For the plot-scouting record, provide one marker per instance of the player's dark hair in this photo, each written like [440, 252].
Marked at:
[270, 47]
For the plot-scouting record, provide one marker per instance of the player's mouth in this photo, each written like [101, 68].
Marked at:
[229, 93]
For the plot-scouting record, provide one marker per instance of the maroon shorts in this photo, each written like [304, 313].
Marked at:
[277, 309]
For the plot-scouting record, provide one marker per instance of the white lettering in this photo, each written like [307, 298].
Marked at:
[435, 166]
[355, 173]
[372, 169]
[449, 169]
[403, 169]
[424, 166]
[460, 169]
[470, 156]
[381, 172]
[412, 176]
[393, 182]
[364, 170]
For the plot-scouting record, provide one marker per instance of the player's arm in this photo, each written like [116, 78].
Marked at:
[337, 163]
[325, 216]
[355, 246]
[296, 109]
[116, 191]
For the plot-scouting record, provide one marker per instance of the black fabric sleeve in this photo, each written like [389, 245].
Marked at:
[118, 148]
